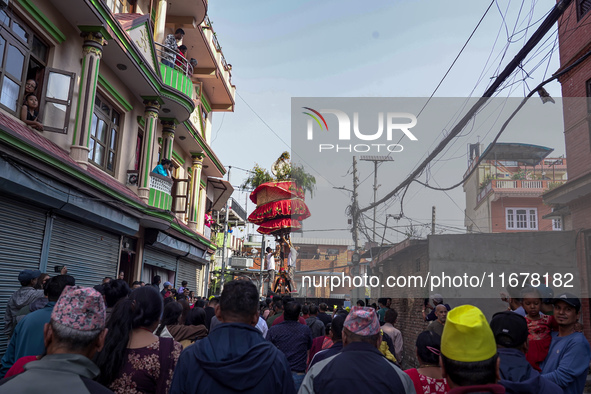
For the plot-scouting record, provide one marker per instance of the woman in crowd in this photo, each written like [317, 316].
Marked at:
[133, 358]
[428, 378]
[180, 332]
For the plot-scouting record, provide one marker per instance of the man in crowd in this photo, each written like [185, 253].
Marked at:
[469, 359]
[437, 300]
[322, 315]
[382, 310]
[210, 310]
[21, 298]
[437, 325]
[517, 375]
[394, 333]
[293, 339]
[234, 357]
[171, 43]
[28, 338]
[342, 373]
[156, 280]
[336, 334]
[74, 334]
[279, 319]
[567, 362]
[316, 326]
[277, 308]
[166, 287]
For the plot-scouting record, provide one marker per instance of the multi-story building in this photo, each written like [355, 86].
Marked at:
[82, 193]
[504, 194]
[573, 199]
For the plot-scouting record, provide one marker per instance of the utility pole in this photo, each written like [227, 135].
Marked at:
[355, 206]
[224, 249]
[376, 160]
[433, 220]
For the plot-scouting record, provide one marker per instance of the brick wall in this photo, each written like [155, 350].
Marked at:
[498, 212]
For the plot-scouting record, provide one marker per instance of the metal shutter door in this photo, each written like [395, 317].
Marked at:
[160, 259]
[192, 273]
[89, 253]
[21, 238]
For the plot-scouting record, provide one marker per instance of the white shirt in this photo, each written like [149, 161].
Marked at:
[291, 257]
[270, 261]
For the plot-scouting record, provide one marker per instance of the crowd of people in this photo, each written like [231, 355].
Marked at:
[152, 338]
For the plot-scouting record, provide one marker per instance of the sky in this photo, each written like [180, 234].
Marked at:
[280, 50]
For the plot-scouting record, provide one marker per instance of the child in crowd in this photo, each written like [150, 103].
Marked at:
[30, 112]
[539, 326]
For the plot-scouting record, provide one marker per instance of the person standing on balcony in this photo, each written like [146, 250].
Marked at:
[163, 167]
[181, 59]
[171, 43]
[270, 262]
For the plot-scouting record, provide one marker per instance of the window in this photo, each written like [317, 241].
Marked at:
[104, 135]
[521, 218]
[556, 224]
[22, 56]
[583, 6]
[58, 89]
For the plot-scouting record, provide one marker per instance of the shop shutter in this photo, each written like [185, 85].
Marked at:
[21, 239]
[89, 253]
[192, 272]
[160, 259]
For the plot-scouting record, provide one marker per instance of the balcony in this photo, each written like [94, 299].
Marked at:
[160, 191]
[175, 69]
[519, 187]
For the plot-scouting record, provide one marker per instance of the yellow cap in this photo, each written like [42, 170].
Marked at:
[467, 337]
[211, 297]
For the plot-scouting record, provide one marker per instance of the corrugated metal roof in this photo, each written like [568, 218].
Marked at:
[322, 241]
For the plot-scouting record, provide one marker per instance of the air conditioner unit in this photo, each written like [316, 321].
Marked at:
[241, 262]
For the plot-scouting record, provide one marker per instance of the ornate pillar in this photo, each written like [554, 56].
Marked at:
[92, 51]
[159, 23]
[196, 167]
[151, 116]
[168, 128]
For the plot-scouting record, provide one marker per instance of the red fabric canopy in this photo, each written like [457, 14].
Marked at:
[294, 208]
[273, 191]
[276, 225]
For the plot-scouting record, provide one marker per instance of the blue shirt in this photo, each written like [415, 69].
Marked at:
[567, 362]
[294, 340]
[160, 170]
[27, 339]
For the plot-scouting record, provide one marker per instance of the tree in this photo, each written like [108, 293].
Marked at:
[283, 170]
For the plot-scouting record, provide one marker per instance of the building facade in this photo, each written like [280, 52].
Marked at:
[113, 102]
[573, 199]
[504, 193]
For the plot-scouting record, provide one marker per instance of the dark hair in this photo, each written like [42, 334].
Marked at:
[156, 279]
[136, 282]
[170, 317]
[114, 291]
[201, 304]
[186, 308]
[292, 311]
[306, 310]
[142, 308]
[168, 300]
[268, 250]
[239, 300]
[382, 301]
[471, 373]
[40, 280]
[323, 307]
[100, 289]
[183, 47]
[196, 317]
[184, 283]
[55, 286]
[327, 328]
[337, 326]
[360, 303]
[373, 339]
[215, 301]
[425, 340]
[179, 30]
[313, 309]
[391, 316]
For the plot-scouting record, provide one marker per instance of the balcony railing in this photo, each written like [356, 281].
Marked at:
[160, 191]
[174, 59]
[237, 208]
[525, 185]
